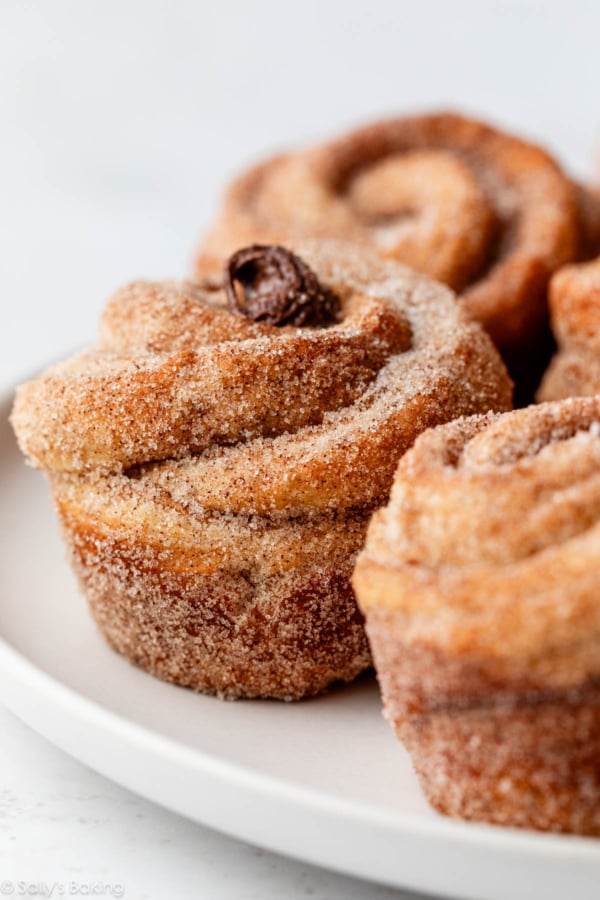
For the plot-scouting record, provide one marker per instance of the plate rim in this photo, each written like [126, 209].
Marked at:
[17, 666]
[19, 670]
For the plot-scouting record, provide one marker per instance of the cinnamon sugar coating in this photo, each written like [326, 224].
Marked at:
[488, 214]
[236, 605]
[479, 583]
[215, 475]
[575, 316]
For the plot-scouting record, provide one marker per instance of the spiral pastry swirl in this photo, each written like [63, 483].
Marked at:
[575, 315]
[488, 214]
[479, 583]
[214, 471]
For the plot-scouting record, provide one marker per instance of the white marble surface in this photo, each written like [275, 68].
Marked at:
[119, 122]
[63, 825]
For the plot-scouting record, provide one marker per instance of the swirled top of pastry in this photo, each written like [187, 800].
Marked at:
[489, 549]
[486, 212]
[179, 378]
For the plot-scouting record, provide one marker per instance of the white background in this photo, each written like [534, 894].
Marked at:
[119, 124]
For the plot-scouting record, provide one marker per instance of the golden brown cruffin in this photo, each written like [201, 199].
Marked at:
[214, 474]
[575, 314]
[479, 583]
[488, 214]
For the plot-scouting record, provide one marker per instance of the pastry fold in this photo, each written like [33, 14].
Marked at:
[479, 584]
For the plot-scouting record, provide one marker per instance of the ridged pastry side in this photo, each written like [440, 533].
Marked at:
[237, 605]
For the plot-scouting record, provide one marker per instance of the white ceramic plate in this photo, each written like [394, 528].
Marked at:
[323, 780]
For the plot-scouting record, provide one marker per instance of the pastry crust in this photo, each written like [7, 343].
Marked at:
[481, 210]
[575, 315]
[479, 584]
[214, 476]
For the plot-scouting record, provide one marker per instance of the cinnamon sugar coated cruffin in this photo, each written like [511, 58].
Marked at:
[214, 476]
[479, 583]
[483, 211]
[575, 311]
